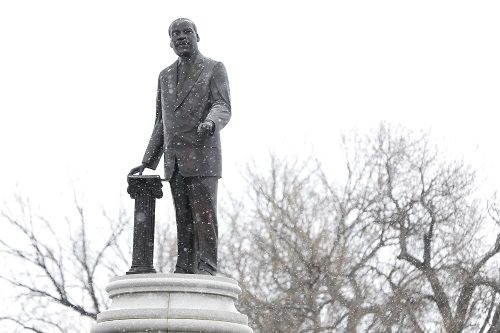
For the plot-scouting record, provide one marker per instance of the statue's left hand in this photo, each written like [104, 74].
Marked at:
[138, 169]
[205, 128]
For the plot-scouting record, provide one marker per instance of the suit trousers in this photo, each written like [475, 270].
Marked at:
[195, 201]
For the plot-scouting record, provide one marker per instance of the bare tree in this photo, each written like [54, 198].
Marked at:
[56, 266]
[301, 250]
[433, 209]
[394, 246]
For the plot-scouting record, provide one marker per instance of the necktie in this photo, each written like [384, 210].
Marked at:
[183, 73]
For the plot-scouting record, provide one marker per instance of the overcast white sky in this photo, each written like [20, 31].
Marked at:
[78, 81]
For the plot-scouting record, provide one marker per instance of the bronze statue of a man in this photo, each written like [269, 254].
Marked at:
[192, 106]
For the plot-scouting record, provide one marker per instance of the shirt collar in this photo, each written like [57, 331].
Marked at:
[191, 60]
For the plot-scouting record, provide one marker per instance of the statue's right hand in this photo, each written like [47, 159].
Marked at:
[138, 169]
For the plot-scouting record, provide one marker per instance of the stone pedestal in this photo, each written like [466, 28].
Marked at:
[173, 303]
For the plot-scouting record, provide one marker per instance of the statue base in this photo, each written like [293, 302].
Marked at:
[173, 303]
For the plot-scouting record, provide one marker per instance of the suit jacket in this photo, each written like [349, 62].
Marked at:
[179, 111]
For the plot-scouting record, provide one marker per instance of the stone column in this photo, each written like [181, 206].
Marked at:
[145, 190]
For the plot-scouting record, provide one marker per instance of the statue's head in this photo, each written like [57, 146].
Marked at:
[183, 37]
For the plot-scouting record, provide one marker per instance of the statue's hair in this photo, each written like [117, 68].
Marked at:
[178, 20]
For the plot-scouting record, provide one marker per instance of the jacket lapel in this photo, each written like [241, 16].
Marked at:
[171, 87]
[190, 81]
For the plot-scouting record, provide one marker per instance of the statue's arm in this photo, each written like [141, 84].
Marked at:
[154, 150]
[220, 110]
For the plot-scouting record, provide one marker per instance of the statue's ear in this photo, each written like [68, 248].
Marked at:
[171, 44]
[197, 38]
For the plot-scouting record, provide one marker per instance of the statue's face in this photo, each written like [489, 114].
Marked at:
[184, 39]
